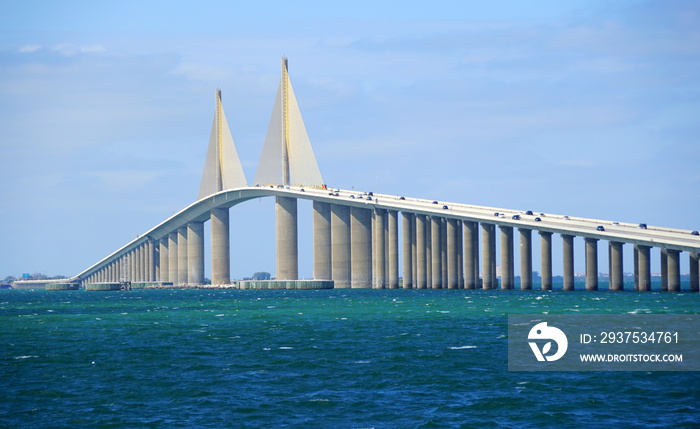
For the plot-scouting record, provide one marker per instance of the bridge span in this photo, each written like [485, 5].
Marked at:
[356, 243]
[356, 235]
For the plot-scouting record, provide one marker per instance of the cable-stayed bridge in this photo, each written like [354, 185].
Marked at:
[360, 238]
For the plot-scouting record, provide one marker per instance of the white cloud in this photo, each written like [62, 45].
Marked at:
[29, 48]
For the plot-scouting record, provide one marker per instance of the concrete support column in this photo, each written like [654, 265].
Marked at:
[408, 243]
[130, 266]
[435, 249]
[182, 255]
[546, 259]
[568, 246]
[674, 270]
[421, 257]
[287, 238]
[172, 259]
[220, 247]
[379, 253]
[488, 234]
[195, 253]
[150, 261]
[360, 247]
[644, 268]
[164, 260]
[663, 260]
[471, 255]
[460, 255]
[322, 241]
[525, 259]
[141, 262]
[452, 254]
[428, 253]
[156, 260]
[694, 271]
[340, 245]
[443, 251]
[591, 263]
[694, 261]
[617, 279]
[393, 248]
[636, 268]
[507, 260]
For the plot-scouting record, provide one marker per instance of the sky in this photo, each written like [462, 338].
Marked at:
[585, 108]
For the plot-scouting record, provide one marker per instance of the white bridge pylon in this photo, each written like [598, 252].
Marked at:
[287, 157]
[222, 167]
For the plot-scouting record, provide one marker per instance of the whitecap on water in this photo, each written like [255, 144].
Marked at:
[286, 348]
[25, 357]
[462, 347]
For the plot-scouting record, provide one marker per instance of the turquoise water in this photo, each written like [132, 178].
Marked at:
[318, 359]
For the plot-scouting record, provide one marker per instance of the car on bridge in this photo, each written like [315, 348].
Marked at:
[516, 217]
[600, 228]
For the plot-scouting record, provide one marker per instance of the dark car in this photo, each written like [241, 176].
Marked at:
[435, 202]
[445, 207]
[529, 212]
[516, 217]
[537, 219]
[402, 198]
[643, 226]
[496, 214]
[694, 233]
[599, 228]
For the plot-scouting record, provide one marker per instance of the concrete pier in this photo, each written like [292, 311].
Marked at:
[636, 267]
[663, 262]
[435, 249]
[220, 247]
[546, 259]
[393, 248]
[360, 247]
[195, 253]
[340, 245]
[379, 251]
[591, 263]
[421, 253]
[452, 254]
[172, 259]
[287, 238]
[460, 254]
[568, 250]
[507, 260]
[181, 256]
[488, 237]
[443, 252]
[408, 244]
[644, 268]
[525, 259]
[674, 271]
[694, 260]
[471, 255]
[322, 241]
[616, 267]
[164, 260]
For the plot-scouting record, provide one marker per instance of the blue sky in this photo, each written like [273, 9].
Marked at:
[586, 108]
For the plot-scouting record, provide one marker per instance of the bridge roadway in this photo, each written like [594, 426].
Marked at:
[436, 253]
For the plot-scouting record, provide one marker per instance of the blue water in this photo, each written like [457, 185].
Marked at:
[318, 359]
